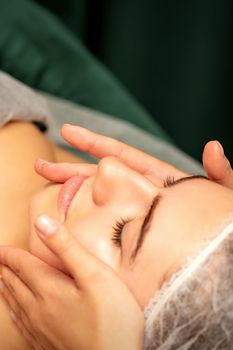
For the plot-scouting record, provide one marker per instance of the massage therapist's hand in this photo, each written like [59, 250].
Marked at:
[215, 163]
[101, 146]
[91, 308]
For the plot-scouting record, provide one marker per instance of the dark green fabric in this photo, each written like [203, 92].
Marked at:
[176, 57]
[38, 50]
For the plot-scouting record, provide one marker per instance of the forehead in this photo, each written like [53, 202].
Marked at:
[192, 183]
[186, 214]
[199, 192]
[195, 202]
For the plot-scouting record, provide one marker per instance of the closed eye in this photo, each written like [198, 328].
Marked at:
[117, 232]
[169, 182]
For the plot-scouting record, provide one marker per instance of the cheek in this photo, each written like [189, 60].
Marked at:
[144, 279]
[95, 235]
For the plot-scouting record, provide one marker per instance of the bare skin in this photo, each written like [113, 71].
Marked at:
[16, 195]
[215, 163]
[78, 297]
[18, 162]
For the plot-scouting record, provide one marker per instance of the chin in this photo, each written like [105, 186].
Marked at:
[44, 202]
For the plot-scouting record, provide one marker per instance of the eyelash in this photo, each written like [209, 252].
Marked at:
[119, 225]
[117, 231]
[169, 181]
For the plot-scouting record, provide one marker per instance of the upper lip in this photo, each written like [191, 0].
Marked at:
[67, 193]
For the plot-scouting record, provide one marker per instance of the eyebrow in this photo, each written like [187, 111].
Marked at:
[143, 231]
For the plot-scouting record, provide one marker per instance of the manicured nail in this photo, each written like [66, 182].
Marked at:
[13, 316]
[69, 125]
[43, 162]
[220, 148]
[46, 225]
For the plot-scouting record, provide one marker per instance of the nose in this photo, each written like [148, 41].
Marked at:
[117, 182]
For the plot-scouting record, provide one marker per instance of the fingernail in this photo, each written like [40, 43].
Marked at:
[13, 316]
[46, 225]
[71, 126]
[220, 148]
[43, 162]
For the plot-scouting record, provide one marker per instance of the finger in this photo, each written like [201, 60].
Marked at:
[60, 172]
[216, 164]
[101, 146]
[81, 264]
[22, 294]
[11, 302]
[28, 336]
[27, 267]
[18, 314]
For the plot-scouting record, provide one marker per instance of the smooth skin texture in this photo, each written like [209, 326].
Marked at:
[215, 163]
[179, 216]
[20, 145]
[82, 296]
[45, 168]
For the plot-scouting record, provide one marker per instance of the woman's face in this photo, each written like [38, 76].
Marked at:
[144, 232]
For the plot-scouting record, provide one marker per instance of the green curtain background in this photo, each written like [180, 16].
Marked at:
[39, 50]
[175, 57]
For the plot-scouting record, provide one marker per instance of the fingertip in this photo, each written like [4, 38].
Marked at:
[64, 127]
[37, 164]
[217, 147]
[69, 127]
[73, 129]
[212, 149]
[46, 225]
[40, 164]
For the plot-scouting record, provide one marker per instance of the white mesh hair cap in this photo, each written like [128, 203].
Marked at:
[194, 311]
[19, 102]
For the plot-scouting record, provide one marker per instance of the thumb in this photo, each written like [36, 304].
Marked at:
[81, 264]
[216, 164]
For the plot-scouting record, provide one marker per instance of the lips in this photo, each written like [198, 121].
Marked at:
[67, 193]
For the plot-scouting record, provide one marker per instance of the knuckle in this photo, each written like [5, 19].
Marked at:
[66, 247]
[92, 144]
[148, 170]
[120, 149]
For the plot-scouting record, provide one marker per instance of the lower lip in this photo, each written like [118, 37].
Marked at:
[67, 193]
